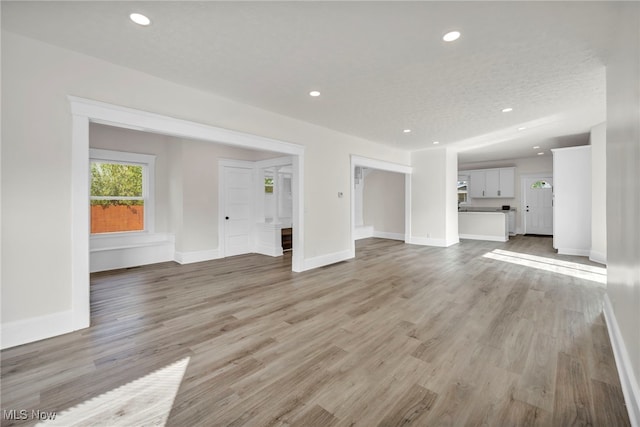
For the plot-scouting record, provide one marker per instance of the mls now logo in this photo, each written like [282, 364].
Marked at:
[23, 414]
[14, 414]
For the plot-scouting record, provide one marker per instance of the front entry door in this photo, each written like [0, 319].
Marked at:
[538, 203]
[237, 210]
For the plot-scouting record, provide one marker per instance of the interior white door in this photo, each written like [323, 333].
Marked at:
[538, 204]
[237, 210]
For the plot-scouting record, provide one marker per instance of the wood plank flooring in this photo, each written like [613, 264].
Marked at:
[401, 335]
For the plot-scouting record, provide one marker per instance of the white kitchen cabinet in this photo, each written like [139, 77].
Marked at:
[492, 183]
[507, 182]
[511, 218]
[476, 184]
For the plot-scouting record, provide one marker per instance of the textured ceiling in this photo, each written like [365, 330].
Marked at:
[381, 66]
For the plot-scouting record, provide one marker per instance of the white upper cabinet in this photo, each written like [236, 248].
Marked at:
[507, 182]
[476, 184]
[492, 183]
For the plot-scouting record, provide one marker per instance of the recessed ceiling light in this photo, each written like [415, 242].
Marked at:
[507, 110]
[140, 19]
[314, 93]
[535, 147]
[540, 154]
[451, 36]
[436, 142]
[522, 128]
[407, 131]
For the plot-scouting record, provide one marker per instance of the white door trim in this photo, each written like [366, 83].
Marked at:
[523, 193]
[84, 111]
[358, 161]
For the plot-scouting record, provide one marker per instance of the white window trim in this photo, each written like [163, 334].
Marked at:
[148, 185]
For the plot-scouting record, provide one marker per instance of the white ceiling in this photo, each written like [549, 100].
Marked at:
[381, 66]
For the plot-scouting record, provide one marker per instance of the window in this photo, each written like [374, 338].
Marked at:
[463, 185]
[268, 185]
[540, 184]
[121, 191]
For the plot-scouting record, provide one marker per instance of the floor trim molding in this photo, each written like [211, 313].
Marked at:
[484, 237]
[36, 328]
[196, 256]
[387, 235]
[598, 257]
[573, 251]
[332, 258]
[363, 232]
[630, 387]
[427, 241]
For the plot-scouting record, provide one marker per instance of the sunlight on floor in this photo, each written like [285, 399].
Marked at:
[145, 401]
[574, 269]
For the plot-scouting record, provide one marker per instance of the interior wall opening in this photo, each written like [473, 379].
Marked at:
[379, 204]
[179, 218]
[380, 200]
[86, 111]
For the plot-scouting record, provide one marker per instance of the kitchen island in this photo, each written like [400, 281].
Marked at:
[483, 225]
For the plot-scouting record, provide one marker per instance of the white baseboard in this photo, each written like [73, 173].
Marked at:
[572, 251]
[483, 237]
[322, 260]
[363, 232]
[426, 241]
[598, 257]
[628, 380]
[196, 256]
[387, 235]
[36, 328]
[268, 250]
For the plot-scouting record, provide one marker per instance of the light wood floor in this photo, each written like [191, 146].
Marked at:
[401, 335]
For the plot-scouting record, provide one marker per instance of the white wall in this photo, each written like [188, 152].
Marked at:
[36, 163]
[622, 304]
[434, 200]
[598, 141]
[527, 165]
[383, 202]
[572, 200]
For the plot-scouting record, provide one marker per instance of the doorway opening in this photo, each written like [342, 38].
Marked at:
[380, 200]
[85, 111]
[256, 206]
